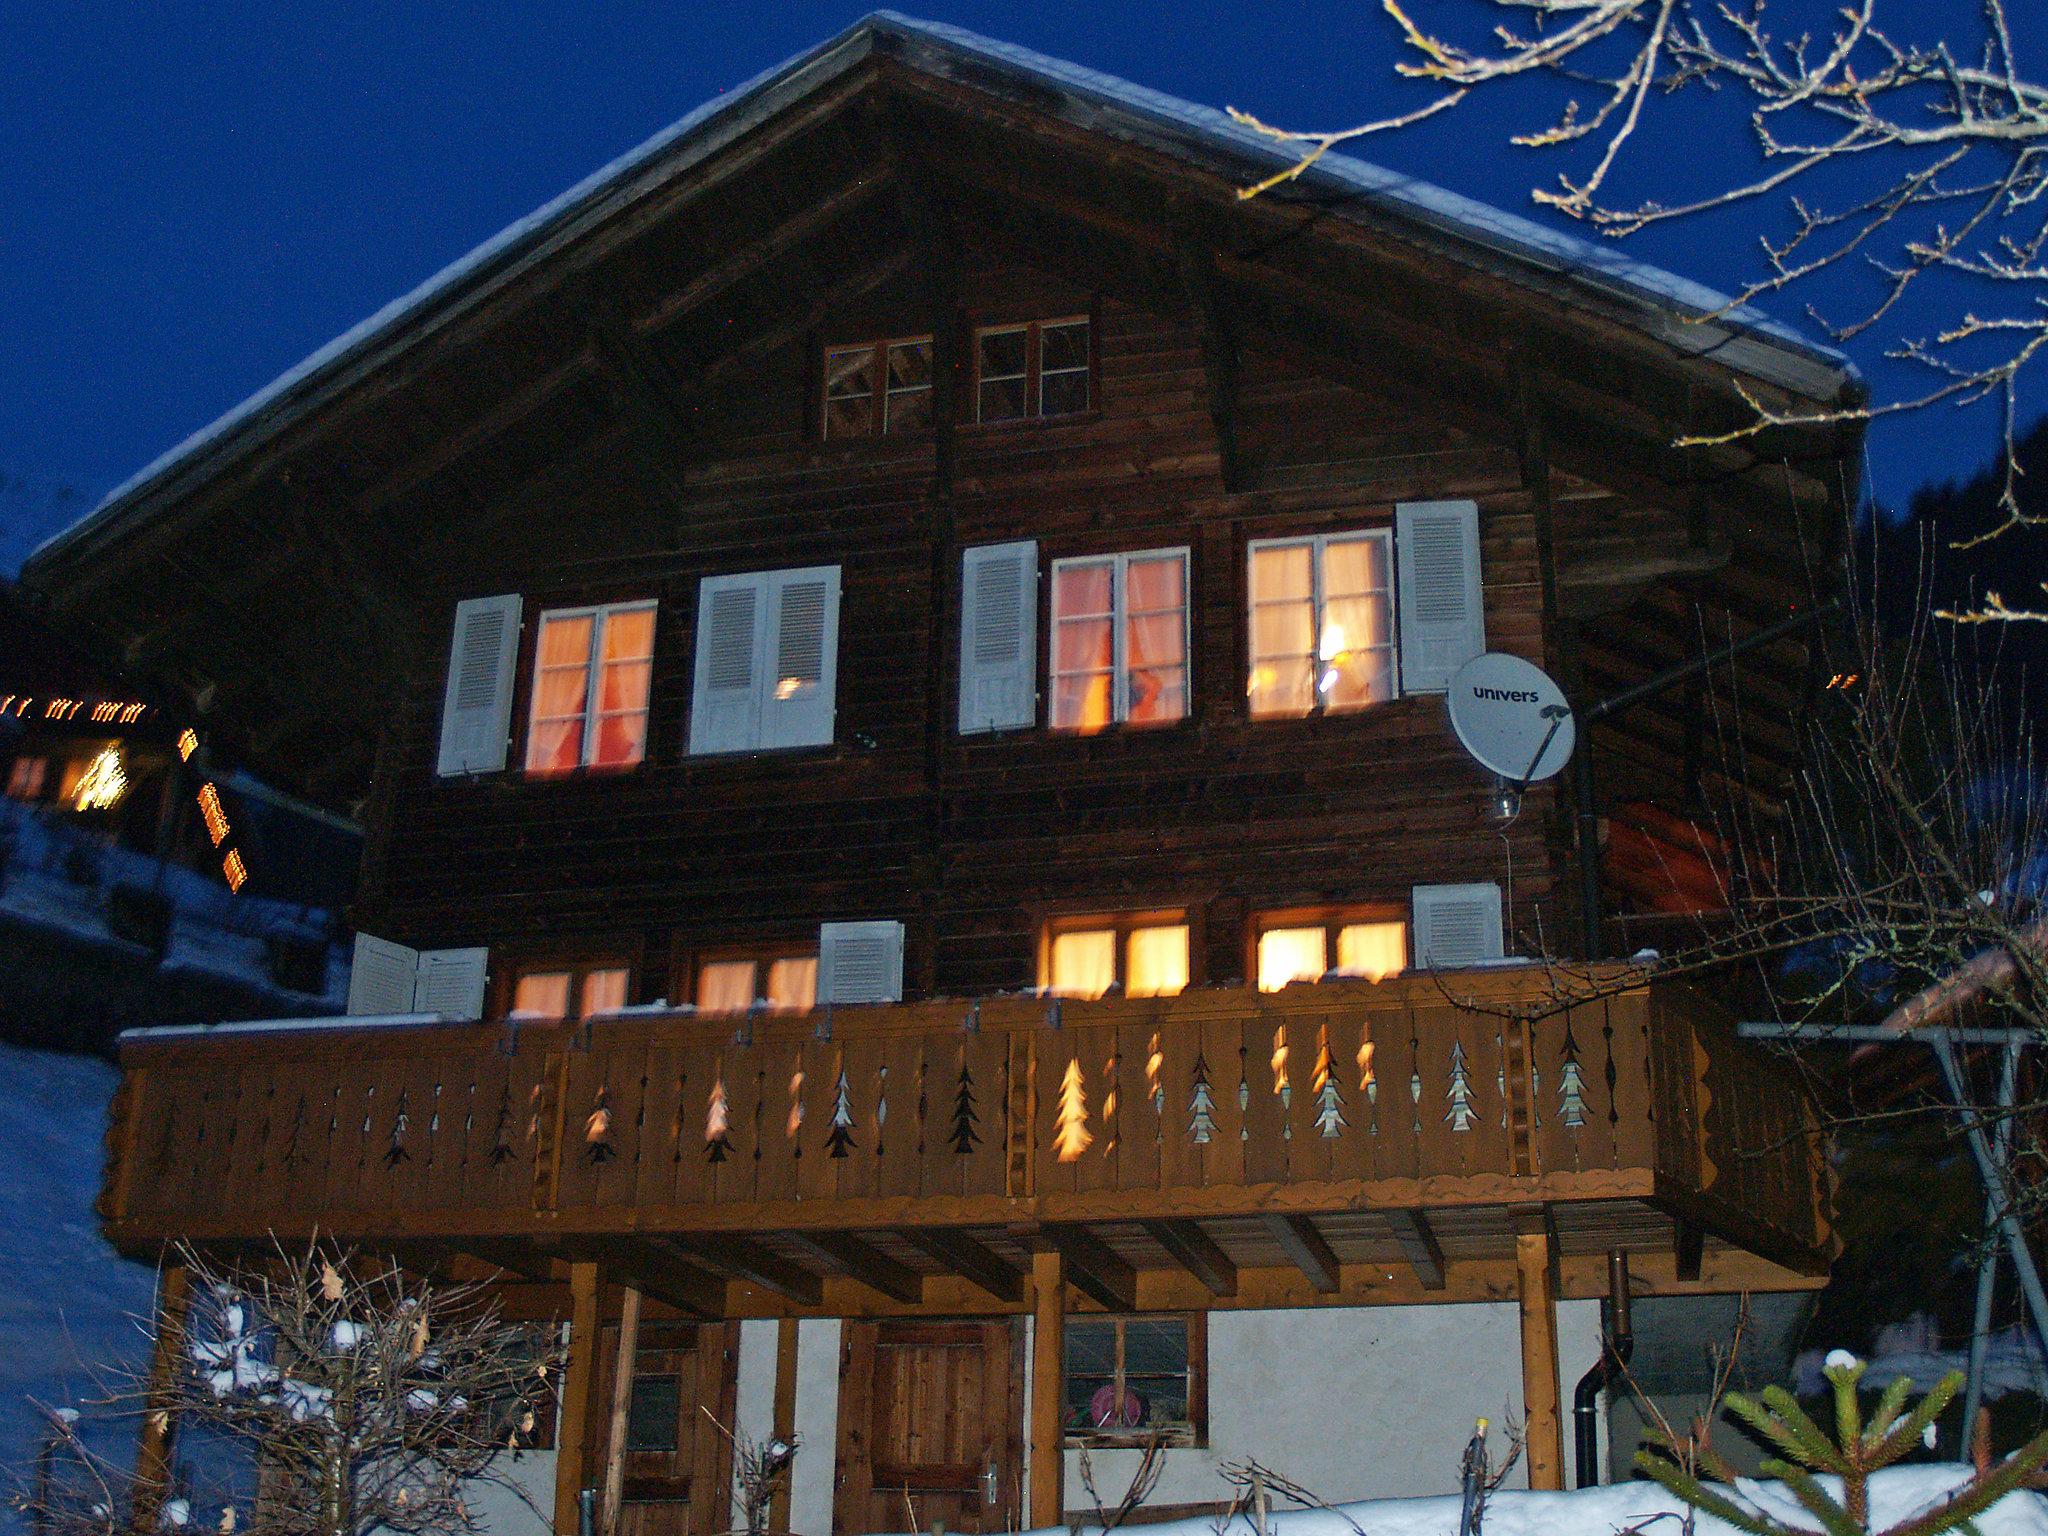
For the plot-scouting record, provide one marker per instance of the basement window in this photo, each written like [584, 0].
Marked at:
[878, 388]
[1129, 1380]
[1038, 368]
[1144, 954]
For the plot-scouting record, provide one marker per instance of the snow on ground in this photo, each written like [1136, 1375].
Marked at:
[67, 1300]
[1635, 1506]
[2013, 1359]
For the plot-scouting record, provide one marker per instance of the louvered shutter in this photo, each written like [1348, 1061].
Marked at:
[1443, 616]
[450, 982]
[999, 637]
[800, 685]
[476, 711]
[860, 962]
[380, 977]
[724, 712]
[1456, 925]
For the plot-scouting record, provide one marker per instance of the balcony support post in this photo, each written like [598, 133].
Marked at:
[1543, 1421]
[1048, 1362]
[579, 1386]
[785, 1415]
[159, 1421]
[622, 1404]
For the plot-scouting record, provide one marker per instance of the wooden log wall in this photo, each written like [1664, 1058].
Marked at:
[971, 842]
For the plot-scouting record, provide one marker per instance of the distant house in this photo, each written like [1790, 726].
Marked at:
[891, 647]
[118, 904]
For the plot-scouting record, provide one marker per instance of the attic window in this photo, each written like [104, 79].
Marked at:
[1039, 368]
[878, 388]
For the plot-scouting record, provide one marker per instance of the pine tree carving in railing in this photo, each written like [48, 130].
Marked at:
[597, 1130]
[1697, 1474]
[401, 1122]
[1071, 1136]
[1461, 1114]
[839, 1130]
[966, 1116]
[717, 1121]
[1201, 1105]
[501, 1130]
[793, 1123]
[1330, 1121]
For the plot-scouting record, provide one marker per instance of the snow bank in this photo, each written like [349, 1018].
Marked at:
[68, 1302]
[1895, 1495]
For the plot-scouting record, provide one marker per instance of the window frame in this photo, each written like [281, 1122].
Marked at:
[600, 614]
[578, 962]
[1119, 562]
[1122, 925]
[1317, 542]
[688, 958]
[1331, 917]
[878, 386]
[1195, 1434]
[1034, 368]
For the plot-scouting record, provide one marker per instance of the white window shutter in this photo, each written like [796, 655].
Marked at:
[999, 637]
[380, 978]
[860, 962]
[1456, 925]
[476, 711]
[799, 688]
[723, 710]
[450, 982]
[1443, 613]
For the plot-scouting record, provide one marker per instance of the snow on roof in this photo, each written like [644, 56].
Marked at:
[1666, 304]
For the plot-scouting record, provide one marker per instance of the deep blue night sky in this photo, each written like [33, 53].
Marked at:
[197, 196]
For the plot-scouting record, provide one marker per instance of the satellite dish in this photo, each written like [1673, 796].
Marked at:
[1512, 718]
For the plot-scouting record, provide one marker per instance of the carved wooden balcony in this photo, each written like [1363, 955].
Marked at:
[1350, 1135]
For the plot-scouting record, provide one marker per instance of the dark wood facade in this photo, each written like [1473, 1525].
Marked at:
[624, 402]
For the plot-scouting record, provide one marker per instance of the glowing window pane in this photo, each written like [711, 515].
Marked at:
[1083, 964]
[604, 992]
[591, 678]
[725, 986]
[1291, 954]
[793, 983]
[1372, 950]
[541, 995]
[1158, 962]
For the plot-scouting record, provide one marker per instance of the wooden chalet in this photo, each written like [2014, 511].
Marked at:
[891, 647]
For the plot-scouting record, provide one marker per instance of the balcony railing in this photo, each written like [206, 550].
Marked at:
[1468, 1089]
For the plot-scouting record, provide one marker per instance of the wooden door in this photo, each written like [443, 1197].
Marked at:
[678, 1463]
[931, 1427]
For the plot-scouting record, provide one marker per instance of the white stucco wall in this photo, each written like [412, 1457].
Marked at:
[1352, 1402]
[817, 1426]
[500, 1508]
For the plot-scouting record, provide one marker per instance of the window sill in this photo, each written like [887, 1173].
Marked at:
[1171, 1436]
[1016, 423]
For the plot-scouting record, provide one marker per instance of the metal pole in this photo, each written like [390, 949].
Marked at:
[1987, 1261]
[1989, 1170]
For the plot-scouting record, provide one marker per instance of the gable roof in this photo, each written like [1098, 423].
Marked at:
[1661, 304]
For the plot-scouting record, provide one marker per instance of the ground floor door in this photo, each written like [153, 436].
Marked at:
[931, 1427]
[677, 1460]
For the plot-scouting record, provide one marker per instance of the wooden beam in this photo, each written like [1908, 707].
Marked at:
[1095, 1269]
[652, 1267]
[866, 1263]
[1419, 1246]
[757, 1264]
[1195, 1251]
[159, 1430]
[1688, 1247]
[579, 1386]
[1048, 1369]
[784, 1427]
[1219, 353]
[1542, 1419]
[513, 1257]
[622, 1403]
[971, 1260]
[1305, 1249]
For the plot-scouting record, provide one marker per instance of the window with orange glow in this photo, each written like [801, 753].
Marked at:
[1144, 954]
[780, 983]
[1322, 624]
[577, 992]
[591, 670]
[1119, 640]
[1310, 946]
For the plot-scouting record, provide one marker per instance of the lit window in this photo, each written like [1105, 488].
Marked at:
[590, 677]
[878, 387]
[25, 778]
[1322, 624]
[573, 993]
[1035, 369]
[786, 983]
[1145, 954]
[1120, 640]
[1130, 1380]
[1300, 948]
